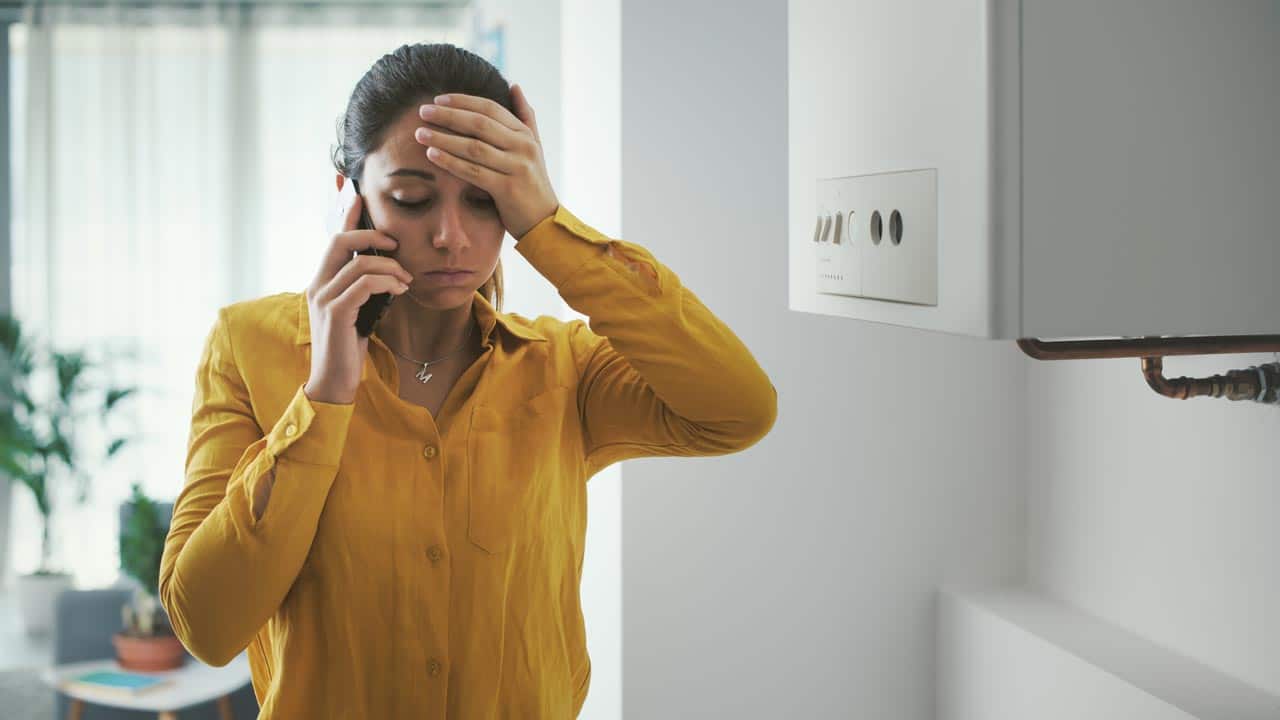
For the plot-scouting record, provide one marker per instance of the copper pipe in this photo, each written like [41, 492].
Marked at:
[1149, 346]
[1260, 383]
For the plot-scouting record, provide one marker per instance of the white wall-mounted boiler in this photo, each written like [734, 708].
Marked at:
[1037, 168]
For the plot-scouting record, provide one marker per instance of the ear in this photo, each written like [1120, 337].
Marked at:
[339, 179]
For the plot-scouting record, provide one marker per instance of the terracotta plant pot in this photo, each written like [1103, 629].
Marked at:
[149, 654]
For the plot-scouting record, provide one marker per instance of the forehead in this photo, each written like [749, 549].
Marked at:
[400, 149]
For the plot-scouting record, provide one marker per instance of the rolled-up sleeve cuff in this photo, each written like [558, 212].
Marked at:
[560, 244]
[311, 431]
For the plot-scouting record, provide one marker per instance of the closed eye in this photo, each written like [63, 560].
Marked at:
[480, 202]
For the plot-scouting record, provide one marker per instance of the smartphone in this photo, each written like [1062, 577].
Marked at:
[373, 309]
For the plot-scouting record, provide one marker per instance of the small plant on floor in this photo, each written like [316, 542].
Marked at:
[141, 547]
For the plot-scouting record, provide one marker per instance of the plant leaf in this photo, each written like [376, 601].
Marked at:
[142, 541]
[69, 367]
[115, 395]
[60, 447]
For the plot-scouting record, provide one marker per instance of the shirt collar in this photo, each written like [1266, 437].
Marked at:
[487, 316]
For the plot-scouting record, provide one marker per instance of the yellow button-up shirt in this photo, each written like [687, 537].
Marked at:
[407, 565]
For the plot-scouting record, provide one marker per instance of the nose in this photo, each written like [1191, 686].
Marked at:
[449, 233]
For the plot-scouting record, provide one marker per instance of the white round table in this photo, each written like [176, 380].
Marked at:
[194, 683]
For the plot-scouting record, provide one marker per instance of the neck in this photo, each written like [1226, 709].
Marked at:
[425, 333]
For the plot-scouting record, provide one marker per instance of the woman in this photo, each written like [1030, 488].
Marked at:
[393, 526]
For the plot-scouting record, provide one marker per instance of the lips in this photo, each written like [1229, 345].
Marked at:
[445, 277]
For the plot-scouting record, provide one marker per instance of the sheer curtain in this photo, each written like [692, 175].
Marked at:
[169, 161]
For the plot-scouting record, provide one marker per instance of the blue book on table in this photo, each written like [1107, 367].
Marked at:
[117, 682]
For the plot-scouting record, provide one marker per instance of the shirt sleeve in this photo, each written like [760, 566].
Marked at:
[660, 374]
[223, 573]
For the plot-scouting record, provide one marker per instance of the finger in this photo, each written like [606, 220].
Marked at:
[476, 124]
[351, 220]
[350, 241]
[478, 175]
[372, 265]
[346, 244]
[362, 265]
[524, 110]
[365, 287]
[482, 105]
[473, 149]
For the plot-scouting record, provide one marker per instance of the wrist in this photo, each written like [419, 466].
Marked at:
[540, 217]
[319, 393]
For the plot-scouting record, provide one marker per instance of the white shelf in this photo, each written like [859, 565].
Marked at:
[1011, 653]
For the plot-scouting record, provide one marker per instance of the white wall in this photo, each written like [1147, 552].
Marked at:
[1161, 516]
[797, 578]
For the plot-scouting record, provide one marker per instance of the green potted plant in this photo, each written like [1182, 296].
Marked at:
[147, 642]
[39, 448]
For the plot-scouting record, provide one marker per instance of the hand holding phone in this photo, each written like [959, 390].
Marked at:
[340, 299]
[373, 310]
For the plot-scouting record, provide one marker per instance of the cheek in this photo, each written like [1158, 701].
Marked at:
[492, 249]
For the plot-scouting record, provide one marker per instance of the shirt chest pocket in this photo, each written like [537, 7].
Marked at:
[513, 462]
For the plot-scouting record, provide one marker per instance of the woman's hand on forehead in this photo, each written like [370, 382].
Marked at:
[480, 142]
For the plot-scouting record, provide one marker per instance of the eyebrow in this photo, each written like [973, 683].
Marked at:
[416, 173]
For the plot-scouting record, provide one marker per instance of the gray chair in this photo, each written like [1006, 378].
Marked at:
[85, 620]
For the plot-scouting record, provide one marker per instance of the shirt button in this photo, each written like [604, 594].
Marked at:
[429, 451]
[434, 553]
[290, 430]
[433, 667]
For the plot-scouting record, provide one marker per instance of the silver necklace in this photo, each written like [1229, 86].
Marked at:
[423, 376]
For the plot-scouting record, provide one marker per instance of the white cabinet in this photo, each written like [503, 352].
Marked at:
[1082, 168]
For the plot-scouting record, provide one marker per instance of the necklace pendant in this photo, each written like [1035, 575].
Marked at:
[423, 376]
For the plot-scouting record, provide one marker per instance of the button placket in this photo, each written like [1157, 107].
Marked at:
[433, 552]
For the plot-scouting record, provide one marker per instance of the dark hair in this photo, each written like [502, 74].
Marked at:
[405, 78]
